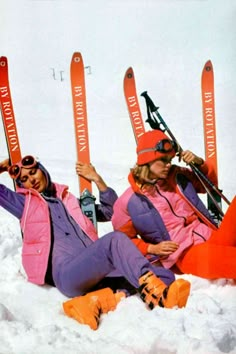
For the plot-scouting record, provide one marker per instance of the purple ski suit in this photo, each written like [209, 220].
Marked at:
[60, 247]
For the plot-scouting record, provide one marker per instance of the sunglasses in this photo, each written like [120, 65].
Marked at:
[164, 146]
[27, 162]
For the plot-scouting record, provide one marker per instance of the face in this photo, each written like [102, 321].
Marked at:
[33, 178]
[160, 167]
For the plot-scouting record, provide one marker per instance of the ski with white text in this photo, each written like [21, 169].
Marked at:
[133, 104]
[209, 127]
[77, 75]
[7, 111]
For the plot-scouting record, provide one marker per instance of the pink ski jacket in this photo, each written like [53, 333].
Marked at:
[138, 214]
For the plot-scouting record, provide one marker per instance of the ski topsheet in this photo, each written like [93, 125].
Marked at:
[80, 115]
[8, 116]
[133, 104]
[77, 74]
[209, 127]
[208, 104]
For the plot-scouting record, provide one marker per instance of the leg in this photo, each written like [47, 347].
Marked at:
[226, 234]
[110, 252]
[209, 261]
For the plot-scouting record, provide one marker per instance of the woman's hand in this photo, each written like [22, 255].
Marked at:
[89, 172]
[189, 157]
[163, 249]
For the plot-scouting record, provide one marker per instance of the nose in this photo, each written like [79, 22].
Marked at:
[32, 179]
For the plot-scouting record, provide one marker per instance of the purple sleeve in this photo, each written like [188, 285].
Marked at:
[12, 201]
[104, 210]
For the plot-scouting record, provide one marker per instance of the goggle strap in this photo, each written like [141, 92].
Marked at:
[146, 150]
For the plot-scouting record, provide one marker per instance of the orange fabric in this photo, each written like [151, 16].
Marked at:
[226, 234]
[142, 245]
[128, 229]
[147, 142]
[209, 261]
[215, 258]
[131, 232]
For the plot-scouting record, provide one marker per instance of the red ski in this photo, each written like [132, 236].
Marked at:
[209, 125]
[133, 104]
[208, 106]
[87, 200]
[80, 114]
[8, 116]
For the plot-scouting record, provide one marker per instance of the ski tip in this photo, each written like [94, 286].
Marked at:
[208, 66]
[76, 57]
[3, 61]
[129, 74]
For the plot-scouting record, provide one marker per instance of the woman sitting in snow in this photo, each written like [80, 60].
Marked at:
[163, 215]
[61, 246]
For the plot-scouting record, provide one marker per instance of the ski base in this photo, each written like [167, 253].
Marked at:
[87, 203]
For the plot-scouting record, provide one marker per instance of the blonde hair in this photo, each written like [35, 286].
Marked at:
[141, 175]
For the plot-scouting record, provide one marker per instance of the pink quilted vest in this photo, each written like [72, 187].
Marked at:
[35, 225]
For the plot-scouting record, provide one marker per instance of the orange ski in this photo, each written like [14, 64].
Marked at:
[8, 116]
[208, 106]
[133, 104]
[209, 127]
[80, 115]
[87, 200]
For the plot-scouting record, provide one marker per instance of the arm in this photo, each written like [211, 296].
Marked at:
[107, 195]
[189, 157]
[89, 172]
[139, 220]
[162, 249]
[207, 169]
[12, 201]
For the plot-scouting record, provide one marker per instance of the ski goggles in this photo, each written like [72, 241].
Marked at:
[163, 146]
[27, 162]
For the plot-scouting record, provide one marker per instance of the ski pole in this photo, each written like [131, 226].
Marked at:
[155, 124]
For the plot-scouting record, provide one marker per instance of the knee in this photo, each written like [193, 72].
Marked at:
[118, 235]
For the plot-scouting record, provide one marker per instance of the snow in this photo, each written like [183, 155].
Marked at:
[167, 42]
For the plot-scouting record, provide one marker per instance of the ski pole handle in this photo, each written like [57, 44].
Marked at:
[149, 102]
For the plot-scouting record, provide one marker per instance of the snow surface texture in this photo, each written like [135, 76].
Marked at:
[167, 43]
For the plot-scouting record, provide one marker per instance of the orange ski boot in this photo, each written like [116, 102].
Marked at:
[86, 309]
[156, 293]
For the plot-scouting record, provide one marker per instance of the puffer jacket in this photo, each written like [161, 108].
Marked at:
[135, 215]
[33, 212]
[35, 225]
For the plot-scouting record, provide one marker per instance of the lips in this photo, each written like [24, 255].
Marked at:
[36, 185]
